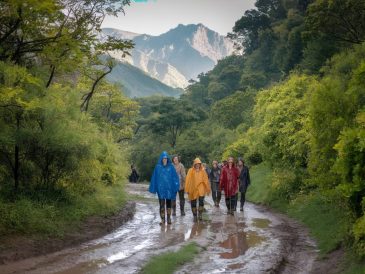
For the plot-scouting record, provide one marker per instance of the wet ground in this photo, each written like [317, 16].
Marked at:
[252, 241]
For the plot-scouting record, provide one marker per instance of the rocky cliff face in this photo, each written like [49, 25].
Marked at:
[177, 55]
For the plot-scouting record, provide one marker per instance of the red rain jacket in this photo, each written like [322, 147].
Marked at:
[229, 180]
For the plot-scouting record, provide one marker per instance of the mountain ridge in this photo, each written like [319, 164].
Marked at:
[176, 56]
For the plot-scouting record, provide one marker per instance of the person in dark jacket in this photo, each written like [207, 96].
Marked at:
[165, 182]
[214, 176]
[244, 181]
[133, 178]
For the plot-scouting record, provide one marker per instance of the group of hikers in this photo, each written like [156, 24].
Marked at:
[169, 178]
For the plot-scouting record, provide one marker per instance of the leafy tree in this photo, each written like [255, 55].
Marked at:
[334, 106]
[172, 117]
[114, 112]
[234, 110]
[247, 29]
[338, 20]
[280, 122]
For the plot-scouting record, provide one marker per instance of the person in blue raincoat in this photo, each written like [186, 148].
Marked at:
[165, 182]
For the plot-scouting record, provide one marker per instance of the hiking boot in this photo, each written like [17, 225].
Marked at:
[174, 208]
[162, 215]
[201, 210]
[241, 209]
[195, 214]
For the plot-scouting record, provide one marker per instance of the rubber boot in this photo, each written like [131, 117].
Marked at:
[201, 210]
[194, 209]
[169, 216]
[182, 208]
[162, 215]
[174, 208]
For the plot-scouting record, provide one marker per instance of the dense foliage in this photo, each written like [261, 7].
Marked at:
[294, 99]
[63, 128]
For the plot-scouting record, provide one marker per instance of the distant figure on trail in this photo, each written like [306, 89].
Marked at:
[214, 176]
[133, 178]
[165, 182]
[229, 184]
[180, 170]
[197, 186]
[244, 181]
[206, 168]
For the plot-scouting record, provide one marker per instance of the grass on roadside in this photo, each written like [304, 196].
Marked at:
[170, 261]
[327, 222]
[31, 217]
[258, 191]
[355, 268]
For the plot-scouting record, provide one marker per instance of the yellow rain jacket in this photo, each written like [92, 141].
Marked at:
[196, 182]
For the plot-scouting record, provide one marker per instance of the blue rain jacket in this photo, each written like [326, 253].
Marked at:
[165, 181]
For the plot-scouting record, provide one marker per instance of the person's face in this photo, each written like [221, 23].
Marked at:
[230, 162]
[176, 160]
[197, 166]
[240, 163]
[164, 161]
[215, 164]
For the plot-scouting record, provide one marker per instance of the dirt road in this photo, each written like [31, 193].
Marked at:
[253, 241]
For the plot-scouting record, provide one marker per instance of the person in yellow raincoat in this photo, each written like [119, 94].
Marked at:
[197, 186]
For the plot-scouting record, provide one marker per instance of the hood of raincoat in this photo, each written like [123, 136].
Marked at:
[197, 161]
[164, 181]
[164, 154]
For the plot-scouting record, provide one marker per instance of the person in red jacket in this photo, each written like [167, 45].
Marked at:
[229, 184]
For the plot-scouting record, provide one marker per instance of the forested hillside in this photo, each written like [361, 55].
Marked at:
[292, 105]
[63, 127]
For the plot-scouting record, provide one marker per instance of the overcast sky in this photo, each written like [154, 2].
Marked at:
[158, 16]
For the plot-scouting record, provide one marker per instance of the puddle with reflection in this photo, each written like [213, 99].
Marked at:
[84, 267]
[235, 266]
[261, 223]
[239, 243]
[195, 231]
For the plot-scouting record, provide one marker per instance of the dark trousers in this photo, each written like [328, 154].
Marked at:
[231, 202]
[243, 198]
[164, 203]
[181, 201]
[201, 206]
[216, 194]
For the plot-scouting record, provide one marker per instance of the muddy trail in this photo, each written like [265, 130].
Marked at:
[252, 241]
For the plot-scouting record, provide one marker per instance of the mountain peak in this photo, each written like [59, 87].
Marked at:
[178, 55]
[119, 33]
[191, 27]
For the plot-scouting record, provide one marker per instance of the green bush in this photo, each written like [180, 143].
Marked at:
[52, 218]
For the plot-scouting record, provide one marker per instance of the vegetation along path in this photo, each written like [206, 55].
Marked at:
[253, 241]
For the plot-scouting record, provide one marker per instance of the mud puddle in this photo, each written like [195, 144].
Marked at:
[252, 241]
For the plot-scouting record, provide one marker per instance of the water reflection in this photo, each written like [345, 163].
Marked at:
[261, 223]
[196, 230]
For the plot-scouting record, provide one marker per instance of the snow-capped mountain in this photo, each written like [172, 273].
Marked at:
[177, 55]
